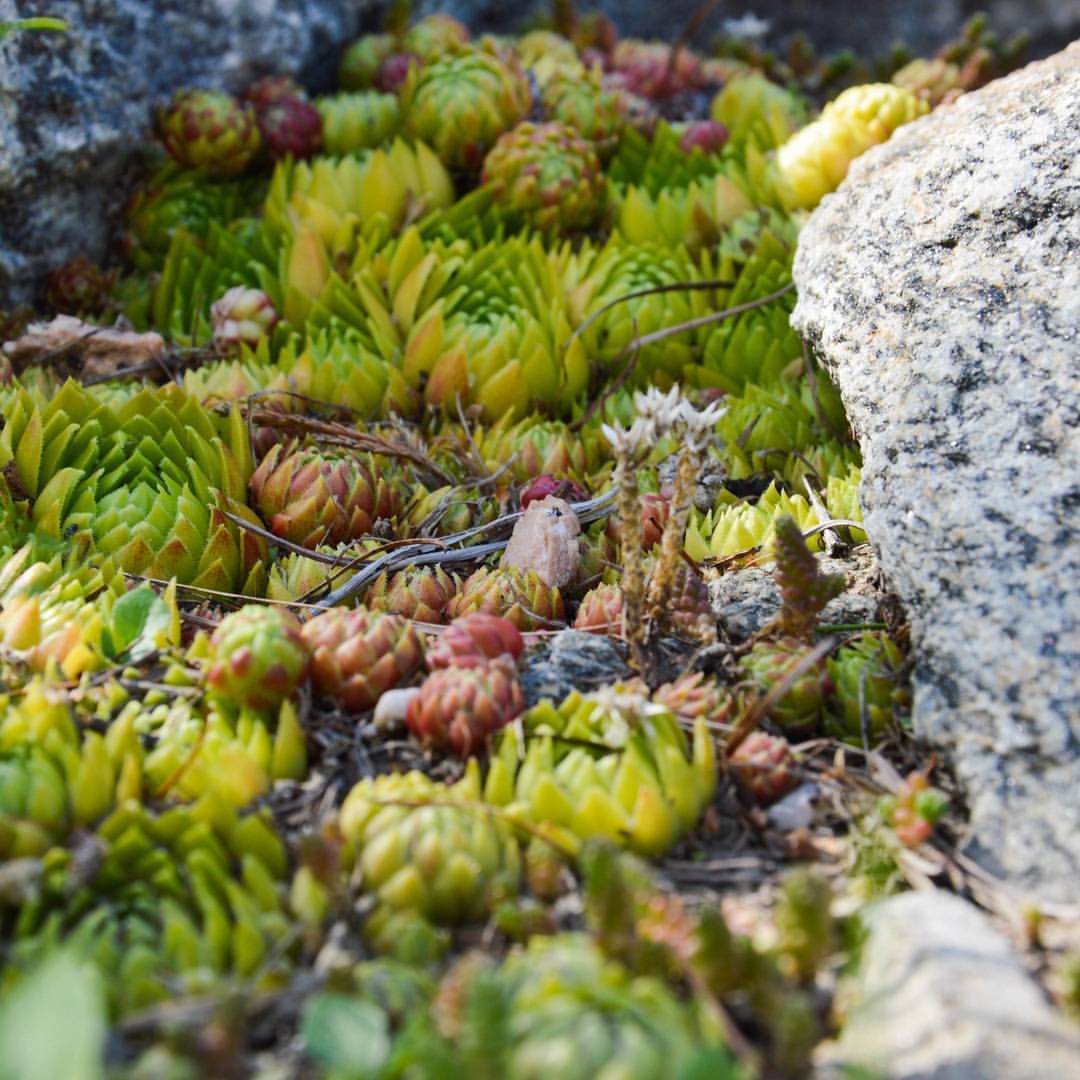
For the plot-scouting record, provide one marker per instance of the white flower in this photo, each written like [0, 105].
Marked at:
[660, 408]
[631, 441]
[699, 424]
[747, 27]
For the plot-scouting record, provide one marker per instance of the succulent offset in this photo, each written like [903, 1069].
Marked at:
[210, 130]
[460, 707]
[428, 850]
[258, 657]
[547, 174]
[358, 655]
[521, 598]
[313, 498]
[635, 778]
[473, 640]
[463, 100]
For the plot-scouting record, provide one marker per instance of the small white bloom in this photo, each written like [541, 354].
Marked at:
[747, 27]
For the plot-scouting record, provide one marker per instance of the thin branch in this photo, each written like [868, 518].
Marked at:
[652, 290]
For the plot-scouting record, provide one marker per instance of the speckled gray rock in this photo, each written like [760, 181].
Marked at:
[941, 285]
[745, 600]
[73, 106]
[940, 994]
[571, 660]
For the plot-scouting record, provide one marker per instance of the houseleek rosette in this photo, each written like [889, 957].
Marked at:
[149, 481]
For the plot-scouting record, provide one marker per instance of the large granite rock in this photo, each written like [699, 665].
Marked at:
[940, 995]
[941, 285]
[73, 106]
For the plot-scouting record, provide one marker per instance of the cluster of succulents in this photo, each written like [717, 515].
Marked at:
[266, 677]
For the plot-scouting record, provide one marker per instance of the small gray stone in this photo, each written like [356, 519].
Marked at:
[941, 285]
[572, 660]
[940, 994]
[745, 600]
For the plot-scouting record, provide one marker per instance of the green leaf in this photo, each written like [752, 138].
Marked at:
[53, 1023]
[139, 617]
[40, 23]
[347, 1035]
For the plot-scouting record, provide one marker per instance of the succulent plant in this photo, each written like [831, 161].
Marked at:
[601, 611]
[804, 591]
[209, 130]
[332, 369]
[291, 127]
[752, 107]
[484, 325]
[461, 102]
[79, 287]
[362, 59]
[242, 317]
[570, 1009]
[547, 174]
[620, 269]
[446, 510]
[322, 206]
[171, 899]
[757, 346]
[358, 655]
[394, 71]
[763, 766]
[609, 764]
[549, 56]
[520, 598]
[434, 35]
[593, 113]
[473, 640]
[447, 862]
[57, 611]
[801, 709]
[696, 695]
[270, 90]
[708, 136]
[237, 753]
[311, 497]
[870, 687]
[298, 577]
[547, 486]
[258, 657]
[647, 68]
[419, 592]
[532, 448]
[458, 708]
[359, 121]
[914, 809]
[814, 161]
[55, 775]
[734, 527]
[148, 481]
[654, 512]
[172, 201]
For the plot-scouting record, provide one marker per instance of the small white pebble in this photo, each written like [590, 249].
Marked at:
[390, 709]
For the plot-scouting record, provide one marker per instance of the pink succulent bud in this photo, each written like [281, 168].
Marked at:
[708, 136]
[393, 71]
[242, 316]
[546, 485]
